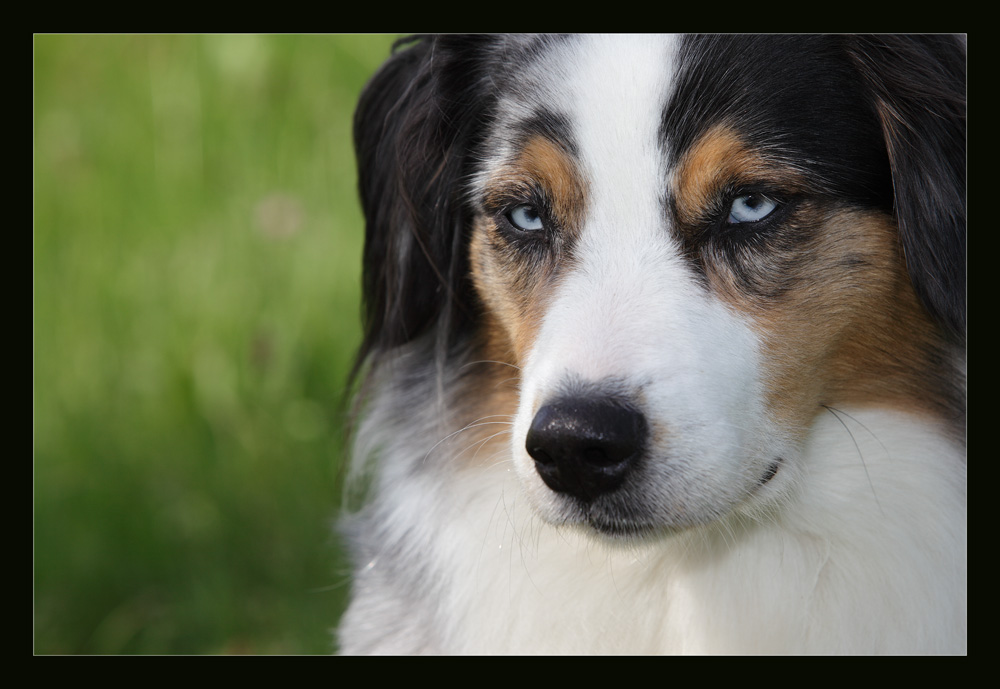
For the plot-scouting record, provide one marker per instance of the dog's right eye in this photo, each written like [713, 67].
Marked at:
[525, 218]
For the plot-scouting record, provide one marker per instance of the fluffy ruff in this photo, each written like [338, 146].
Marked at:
[664, 347]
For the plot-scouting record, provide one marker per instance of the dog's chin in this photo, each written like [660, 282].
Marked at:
[629, 532]
[614, 519]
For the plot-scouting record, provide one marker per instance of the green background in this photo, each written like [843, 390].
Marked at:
[196, 258]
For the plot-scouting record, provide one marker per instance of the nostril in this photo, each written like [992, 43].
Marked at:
[586, 446]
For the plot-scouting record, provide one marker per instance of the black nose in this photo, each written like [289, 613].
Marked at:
[586, 446]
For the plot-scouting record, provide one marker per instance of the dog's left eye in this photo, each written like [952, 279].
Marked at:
[750, 208]
[525, 218]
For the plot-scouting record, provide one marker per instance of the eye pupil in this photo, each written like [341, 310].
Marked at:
[525, 218]
[750, 208]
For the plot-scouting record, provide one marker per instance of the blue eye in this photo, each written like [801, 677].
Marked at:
[750, 208]
[525, 218]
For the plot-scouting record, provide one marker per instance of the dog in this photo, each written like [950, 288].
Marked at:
[664, 348]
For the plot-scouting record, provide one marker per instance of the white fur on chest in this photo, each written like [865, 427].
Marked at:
[868, 556]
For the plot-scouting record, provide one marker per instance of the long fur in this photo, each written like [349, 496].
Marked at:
[664, 347]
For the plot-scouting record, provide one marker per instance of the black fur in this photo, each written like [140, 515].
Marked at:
[878, 121]
[412, 131]
[918, 85]
[875, 121]
[798, 99]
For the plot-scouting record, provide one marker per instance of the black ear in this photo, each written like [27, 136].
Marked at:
[414, 133]
[918, 87]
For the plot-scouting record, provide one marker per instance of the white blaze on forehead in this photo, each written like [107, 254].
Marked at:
[621, 86]
[628, 272]
[610, 89]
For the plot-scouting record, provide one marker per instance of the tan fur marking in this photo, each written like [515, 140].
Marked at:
[849, 332]
[718, 158]
[485, 403]
[515, 305]
[515, 288]
[544, 163]
[847, 327]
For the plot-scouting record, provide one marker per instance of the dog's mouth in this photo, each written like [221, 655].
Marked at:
[618, 521]
[634, 529]
[770, 473]
[623, 531]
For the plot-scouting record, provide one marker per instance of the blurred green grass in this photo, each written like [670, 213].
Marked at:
[196, 255]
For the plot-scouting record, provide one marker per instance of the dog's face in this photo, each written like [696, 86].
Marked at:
[688, 248]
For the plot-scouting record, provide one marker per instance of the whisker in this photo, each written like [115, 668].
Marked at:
[472, 424]
[870, 432]
[857, 447]
[491, 361]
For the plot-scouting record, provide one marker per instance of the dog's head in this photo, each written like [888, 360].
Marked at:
[687, 246]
